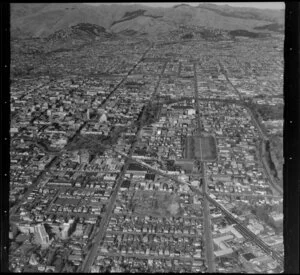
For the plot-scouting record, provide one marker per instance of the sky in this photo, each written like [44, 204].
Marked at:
[259, 5]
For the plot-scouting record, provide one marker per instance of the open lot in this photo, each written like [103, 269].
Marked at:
[156, 204]
[63, 201]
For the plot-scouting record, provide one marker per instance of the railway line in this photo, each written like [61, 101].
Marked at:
[246, 232]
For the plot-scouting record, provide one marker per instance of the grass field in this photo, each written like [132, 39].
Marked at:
[202, 148]
[162, 204]
[62, 201]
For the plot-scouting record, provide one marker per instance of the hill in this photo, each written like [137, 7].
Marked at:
[276, 16]
[275, 27]
[42, 20]
[84, 31]
[244, 33]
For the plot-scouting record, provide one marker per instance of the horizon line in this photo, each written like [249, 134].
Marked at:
[256, 5]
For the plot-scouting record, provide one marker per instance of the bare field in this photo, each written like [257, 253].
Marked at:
[156, 203]
[62, 201]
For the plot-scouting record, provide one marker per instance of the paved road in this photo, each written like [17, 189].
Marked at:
[241, 228]
[156, 171]
[34, 184]
[146, 257]
[150, 233]
[74, 214]
[199, 218]
[244, 230]
[86, 171]
[263, 137]
[90, 258]
[125, 78]
[250, 195]
[247, 233]
[209, 249]
[43, 172]
[207, 228]
[262, 134]
[226, 76]
[56, 158]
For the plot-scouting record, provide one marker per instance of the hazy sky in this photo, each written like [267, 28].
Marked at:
[259, 5]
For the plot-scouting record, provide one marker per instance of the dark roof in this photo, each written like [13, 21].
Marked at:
[150, 176]
[249, 256]
[136, 167]
[125, 183]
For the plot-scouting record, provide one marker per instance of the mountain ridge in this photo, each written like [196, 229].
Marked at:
[42, 20]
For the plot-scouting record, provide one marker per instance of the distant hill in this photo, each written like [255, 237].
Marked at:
[81, 31]
[244, 33]
[276, 16]
[181, 5]
[275, 27]
[131, 15]
[42, 20]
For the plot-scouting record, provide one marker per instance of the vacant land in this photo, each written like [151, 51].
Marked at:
[63, 201]
[156, 204]
[202, 148]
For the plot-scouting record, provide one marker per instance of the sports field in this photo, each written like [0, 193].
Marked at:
[202, 148]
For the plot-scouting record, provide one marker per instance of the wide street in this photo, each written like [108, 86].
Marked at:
[90, 258]
[209, 249]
